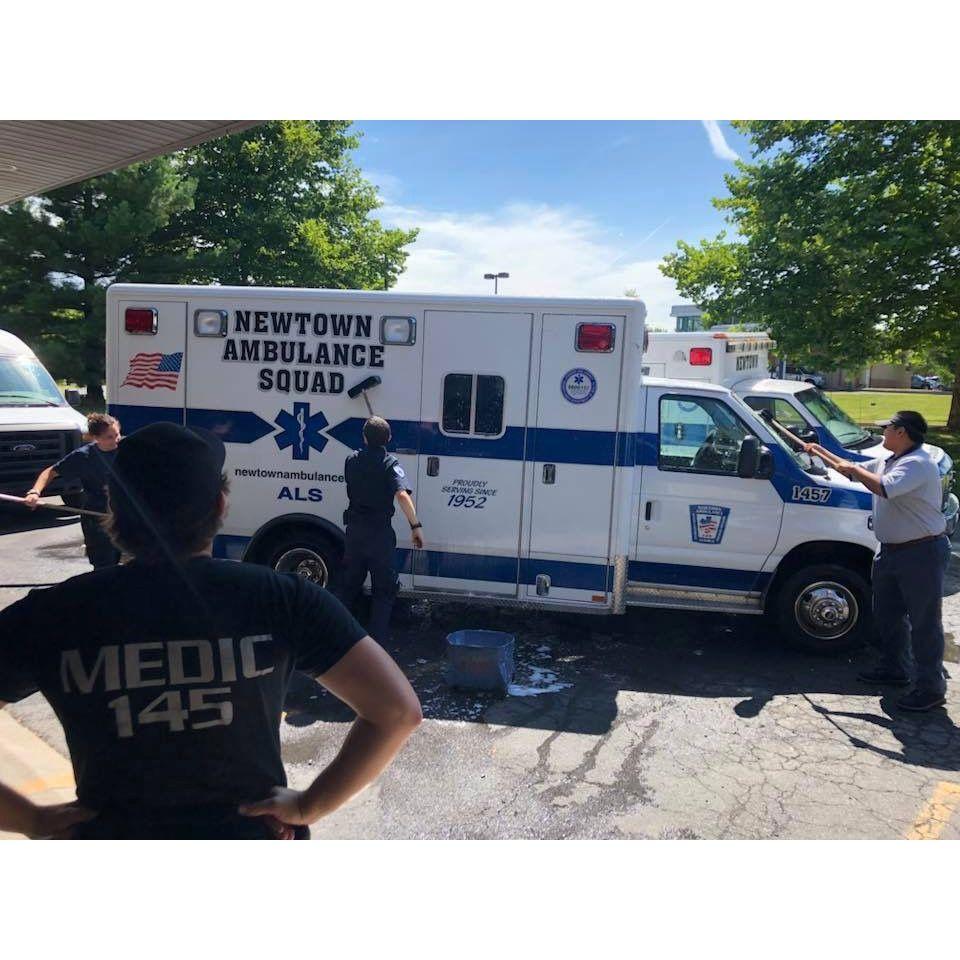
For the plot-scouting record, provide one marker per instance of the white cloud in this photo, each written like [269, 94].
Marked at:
[721, 149]
[548, 252]
[389, 187]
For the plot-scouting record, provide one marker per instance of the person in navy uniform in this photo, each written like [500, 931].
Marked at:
[169, 672]
[375, 481]
[911, 563]
[90, 464]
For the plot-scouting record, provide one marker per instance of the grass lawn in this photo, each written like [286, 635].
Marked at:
[867, 406]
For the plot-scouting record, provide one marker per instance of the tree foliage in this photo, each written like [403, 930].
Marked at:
[848, 241]
[277, 205]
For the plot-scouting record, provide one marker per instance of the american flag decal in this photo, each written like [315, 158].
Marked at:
[151, 371]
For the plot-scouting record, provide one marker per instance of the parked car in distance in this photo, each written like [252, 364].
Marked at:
[793, 372]
[919, 381]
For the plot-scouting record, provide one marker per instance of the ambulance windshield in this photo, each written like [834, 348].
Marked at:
[832, 417]
[25, 383]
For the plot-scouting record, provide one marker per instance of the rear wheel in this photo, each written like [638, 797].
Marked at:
[306, 552]
[825, 608]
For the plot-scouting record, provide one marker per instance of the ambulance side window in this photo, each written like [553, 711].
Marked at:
[699, 435]
[782, 411]
[457, 392]
[473, 404]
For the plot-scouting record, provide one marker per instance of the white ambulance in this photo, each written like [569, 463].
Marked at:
[547, 470]
[37, 426]
[740, 361]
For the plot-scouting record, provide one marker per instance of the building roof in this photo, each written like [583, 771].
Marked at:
[37, 156]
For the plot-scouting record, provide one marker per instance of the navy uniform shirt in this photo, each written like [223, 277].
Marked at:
[170, 682]
[90, 465]
[374, 477]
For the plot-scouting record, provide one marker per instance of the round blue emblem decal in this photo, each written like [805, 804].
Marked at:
[578, 385]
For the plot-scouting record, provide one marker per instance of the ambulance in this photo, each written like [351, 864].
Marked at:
[37, 426]
[740, 361]
[549, 472]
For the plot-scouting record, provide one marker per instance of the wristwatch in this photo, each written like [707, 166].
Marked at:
[416, 526]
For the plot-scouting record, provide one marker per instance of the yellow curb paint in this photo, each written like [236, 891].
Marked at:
[935, 816]
[28, 788]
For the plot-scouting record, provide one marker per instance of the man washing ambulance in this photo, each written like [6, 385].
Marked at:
[911, 564]
[375, 481]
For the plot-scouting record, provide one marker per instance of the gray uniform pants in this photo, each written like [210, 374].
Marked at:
[907, 595]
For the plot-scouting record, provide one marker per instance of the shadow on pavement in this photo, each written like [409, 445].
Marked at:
[15, 519]
[571, 668]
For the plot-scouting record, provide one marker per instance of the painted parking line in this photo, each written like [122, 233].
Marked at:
[935, 816]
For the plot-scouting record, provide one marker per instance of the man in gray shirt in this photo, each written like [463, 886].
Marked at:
[911, 564]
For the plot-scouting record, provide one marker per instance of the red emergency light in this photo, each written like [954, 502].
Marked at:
[140, 320]
[701, 356]
[596, 337]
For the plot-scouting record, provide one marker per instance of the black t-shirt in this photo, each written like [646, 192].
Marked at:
[373, 478]
[169, 682]
[90, 465]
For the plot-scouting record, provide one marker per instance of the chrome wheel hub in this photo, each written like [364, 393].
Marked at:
[306, 563]
[827, 610]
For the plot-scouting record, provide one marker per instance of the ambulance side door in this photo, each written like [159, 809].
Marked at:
[701, 525]
[473, 419]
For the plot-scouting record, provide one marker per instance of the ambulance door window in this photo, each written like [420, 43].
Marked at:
[699, 435]
[489, 416]
[473, 404]
[457, 394]
[783, 412]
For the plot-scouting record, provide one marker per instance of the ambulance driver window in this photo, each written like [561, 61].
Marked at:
[699, 434]
[489, 417]
[457, 394]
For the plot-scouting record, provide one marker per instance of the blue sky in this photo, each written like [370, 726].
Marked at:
[573, 208]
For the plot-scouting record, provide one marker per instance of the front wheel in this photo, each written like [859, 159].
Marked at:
[825, 608]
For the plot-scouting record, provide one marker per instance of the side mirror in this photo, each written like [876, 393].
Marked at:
[72, 396]
[809, 436]
[765, 466]
[749, 458]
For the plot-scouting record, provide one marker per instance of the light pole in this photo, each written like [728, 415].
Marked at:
[495, 277]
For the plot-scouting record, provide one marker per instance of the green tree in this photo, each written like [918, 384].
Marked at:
[278, 205]
[848, 244]
[59, 252]
[282, 204]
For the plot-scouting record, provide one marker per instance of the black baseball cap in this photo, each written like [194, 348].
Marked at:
[910, 420]
[164, 468]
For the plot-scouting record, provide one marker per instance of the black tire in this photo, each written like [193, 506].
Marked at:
[824, 608]
[305, 551]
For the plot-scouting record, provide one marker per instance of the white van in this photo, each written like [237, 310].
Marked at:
[547, 470]
[37, 426]
[740, 361]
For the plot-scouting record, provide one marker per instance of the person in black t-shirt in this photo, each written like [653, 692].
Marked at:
[90, 464]
[169, 672]
[374, 480]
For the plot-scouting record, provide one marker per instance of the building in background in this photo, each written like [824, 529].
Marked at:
[688, 317]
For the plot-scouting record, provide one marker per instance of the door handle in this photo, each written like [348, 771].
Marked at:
[648, 510]
[549, 473]
[433, 466]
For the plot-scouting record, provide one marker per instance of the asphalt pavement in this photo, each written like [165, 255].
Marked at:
[658, 724]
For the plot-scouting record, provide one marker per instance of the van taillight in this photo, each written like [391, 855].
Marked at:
[596, 337]
[140, 320]
[701, 356]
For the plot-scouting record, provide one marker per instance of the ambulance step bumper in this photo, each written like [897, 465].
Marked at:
[694, 598]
